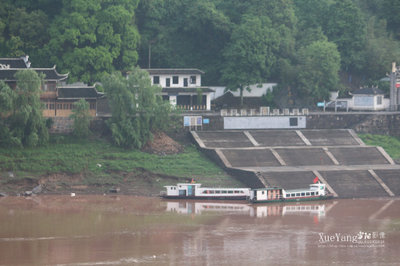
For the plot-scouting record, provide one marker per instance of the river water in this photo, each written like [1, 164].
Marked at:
[128, 230]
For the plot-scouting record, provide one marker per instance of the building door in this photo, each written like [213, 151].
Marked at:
[185, 82]
[167, 82]
[190, 190]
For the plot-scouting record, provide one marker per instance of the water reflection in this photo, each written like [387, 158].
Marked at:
[123, 230]
[315, 209]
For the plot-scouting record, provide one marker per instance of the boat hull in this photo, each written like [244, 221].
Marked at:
[206, 197]
[293, 199]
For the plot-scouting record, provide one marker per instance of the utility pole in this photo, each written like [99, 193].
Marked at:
[394, 87]
[149, 53]
[150, 43]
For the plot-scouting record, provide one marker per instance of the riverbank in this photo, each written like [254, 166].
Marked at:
[94, 166]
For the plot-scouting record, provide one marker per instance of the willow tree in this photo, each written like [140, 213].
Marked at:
[22, 119]
[137, 108]
[81, 117]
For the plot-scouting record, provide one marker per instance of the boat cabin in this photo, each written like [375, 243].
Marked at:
[182, 189]
[193, 190]
[279, 194]
[266, 194]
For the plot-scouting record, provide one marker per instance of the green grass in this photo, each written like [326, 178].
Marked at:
[71, 156]
[390, 144]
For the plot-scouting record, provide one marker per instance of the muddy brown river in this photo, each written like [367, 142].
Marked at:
[128, 230]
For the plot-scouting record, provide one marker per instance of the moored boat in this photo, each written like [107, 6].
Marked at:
[196, 191]
[192, 190]
[275, 194]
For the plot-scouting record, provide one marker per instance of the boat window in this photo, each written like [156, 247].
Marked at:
[312, 193]
[236, 191]
[224, 191]
[297, 194]
[218, 192]
[230, 192]
[293, 195]
[303, 194]
[307, 193]
[316, 193]
[287, 195]
[262, 192]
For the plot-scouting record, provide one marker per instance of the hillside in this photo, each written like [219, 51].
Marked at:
[94, 166]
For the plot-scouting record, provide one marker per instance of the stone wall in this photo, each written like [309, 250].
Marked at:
[373, 123]
[61, 125]
[384, 123]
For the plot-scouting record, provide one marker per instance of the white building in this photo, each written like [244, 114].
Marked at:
[364, 99]
[182, 87]
[369, 99]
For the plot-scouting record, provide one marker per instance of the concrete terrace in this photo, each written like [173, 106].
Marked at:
[293, 158]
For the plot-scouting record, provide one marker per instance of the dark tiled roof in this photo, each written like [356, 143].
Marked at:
[368, 91]
[13, 62]
[50, 74]
[186, 90]
[78, 92]
[174, 71]
[228, 100]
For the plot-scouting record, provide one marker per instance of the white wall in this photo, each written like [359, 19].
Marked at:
[180, 84]
[256, 91]
[368, 103]
[263, 122]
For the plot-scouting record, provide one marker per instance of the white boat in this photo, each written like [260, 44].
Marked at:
[275, 194]
[196, 191]
[259, 195]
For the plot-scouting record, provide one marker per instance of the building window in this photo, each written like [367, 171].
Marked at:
[293, 121]
[52, 106]
[92, 106]
[175, 80]
[185, 82]
[167, 82]
[59, 106]
[192, 79]
[379, 100]
[156, 80]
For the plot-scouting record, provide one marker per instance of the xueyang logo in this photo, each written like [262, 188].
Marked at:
[358, 238]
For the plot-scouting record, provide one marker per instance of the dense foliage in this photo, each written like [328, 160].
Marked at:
[81, 117]
[235, 42]
[21, 118]
[137, 108]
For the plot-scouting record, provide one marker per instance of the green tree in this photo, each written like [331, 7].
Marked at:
[22, 112]
[346, 28]
[194, 38]
[7, 100]
[81, 116]
[91, 37]
[380, 51]
[391, 11]
[137, 108]
[249, 55]
[318, 70]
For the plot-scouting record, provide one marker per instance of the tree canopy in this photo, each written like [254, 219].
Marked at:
[93, 37]
[137, 108]
[21, 118]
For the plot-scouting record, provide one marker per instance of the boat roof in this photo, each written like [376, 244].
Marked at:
[198, 184]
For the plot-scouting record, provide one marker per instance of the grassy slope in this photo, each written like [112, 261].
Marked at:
[390, 144]
[66, 155]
